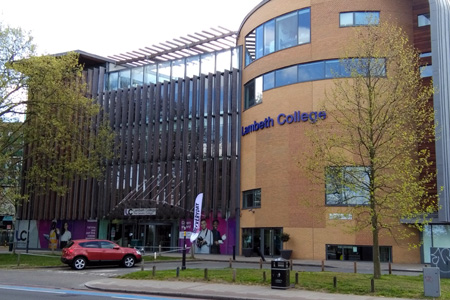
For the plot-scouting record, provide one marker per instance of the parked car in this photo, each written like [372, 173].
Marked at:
[80, 253]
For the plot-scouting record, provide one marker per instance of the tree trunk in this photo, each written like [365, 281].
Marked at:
[376, 251]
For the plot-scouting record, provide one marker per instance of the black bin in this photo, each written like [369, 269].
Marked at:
[280, 274]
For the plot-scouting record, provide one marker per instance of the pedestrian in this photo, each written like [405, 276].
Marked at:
[204, 239]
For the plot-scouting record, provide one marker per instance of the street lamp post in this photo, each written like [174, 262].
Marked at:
[183, 261]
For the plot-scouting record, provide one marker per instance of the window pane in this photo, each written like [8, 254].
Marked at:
[164, 71]
[346, 19]
[223, 61]
[347, 186]
[367, 18]
[235, 53]
[269, 37]
[253, 92]
[124, 79]
[113, 81]
[304, 26]
[178, 69]
[426, 71]
[192, 66]
[259, 42]
[286, 76]
[423, 20]
[269, 81]
[250, 47]
[207, 63]
[332, 68]
[150, 74]
[137, 76]
[311, 71]
[287, 30]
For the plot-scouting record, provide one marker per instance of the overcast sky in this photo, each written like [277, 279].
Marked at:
[110, 27]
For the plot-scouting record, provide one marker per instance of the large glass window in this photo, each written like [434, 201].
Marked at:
[423, 20]
[178, 69]
[251, 199]
[280, 33]
[286, 31]
[311, 71]
[192, 66]
[347, 185]
[164, 71]
[137, 76]
[286, 76]
[124, 79]
[207, 63]
[113, 80]
[359, 18]
[253, 92]
[150, 74]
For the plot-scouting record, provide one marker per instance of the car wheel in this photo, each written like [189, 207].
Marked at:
[79, 263]
[128, 261]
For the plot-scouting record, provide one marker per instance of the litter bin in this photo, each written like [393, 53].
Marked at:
[280, 274]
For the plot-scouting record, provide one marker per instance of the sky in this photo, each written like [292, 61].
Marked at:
[108, 27]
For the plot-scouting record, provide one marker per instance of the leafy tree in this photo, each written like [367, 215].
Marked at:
[373, 146]
[64, 134]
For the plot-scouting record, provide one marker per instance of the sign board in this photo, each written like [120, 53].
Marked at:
[139, 211]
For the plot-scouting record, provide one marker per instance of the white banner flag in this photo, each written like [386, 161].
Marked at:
[197, 217]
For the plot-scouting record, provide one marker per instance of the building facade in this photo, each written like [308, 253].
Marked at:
[225, 114]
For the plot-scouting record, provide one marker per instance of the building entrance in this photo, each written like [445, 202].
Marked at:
[257, 241]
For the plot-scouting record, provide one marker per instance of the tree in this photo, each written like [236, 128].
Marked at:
[64, 134]
[373, 147]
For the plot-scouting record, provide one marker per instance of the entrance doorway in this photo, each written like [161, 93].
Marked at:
[265, 241]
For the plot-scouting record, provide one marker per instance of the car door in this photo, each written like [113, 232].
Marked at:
[92, 250]
[111, 252]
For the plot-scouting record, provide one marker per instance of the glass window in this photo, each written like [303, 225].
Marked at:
[223, 61]
[311, 71]
[124, 79]
[207, 63]
[286, 76]
[269, 37]
[367, 18]
[250, 47]
[423, 20]
[192, 66]
[359, 18]
[347, 186]
[426, 71]
[235, 53]
[259, 40]
[304, 26]
[251, 199]
[164, 71]
[269, 81]
[346, 19]
[286, 31]
[178, 67]
[137, 76]
[425, 54]
[253, 92]
[113, 81]
[150, 74]
[332, 68]
[107, 245]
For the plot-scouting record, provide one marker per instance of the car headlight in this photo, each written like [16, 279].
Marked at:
[138, 252]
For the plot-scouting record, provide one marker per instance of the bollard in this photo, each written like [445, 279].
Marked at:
[390, 268]
[142, 264]
[231, 264]
[160, 249]
[260, 263]
[234, 252]
[154, 256]
[354, 267]
[178, 272]
[334, 282]
[234, 275]
[323, 265]
[264, 276]
[296, 278]
[153, 270]
[291, 264]
[372, 285]
[206, 274]
[18, 259]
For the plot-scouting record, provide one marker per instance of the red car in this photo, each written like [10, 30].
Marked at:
[80, 253]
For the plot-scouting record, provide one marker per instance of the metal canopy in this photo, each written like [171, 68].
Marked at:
[216, 39]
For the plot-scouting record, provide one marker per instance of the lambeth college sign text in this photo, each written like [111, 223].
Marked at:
[282, 119]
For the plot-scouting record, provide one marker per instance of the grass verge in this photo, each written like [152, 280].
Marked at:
[394, 286]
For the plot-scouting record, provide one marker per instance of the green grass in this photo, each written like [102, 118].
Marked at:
[347, 283]
[10, 260]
